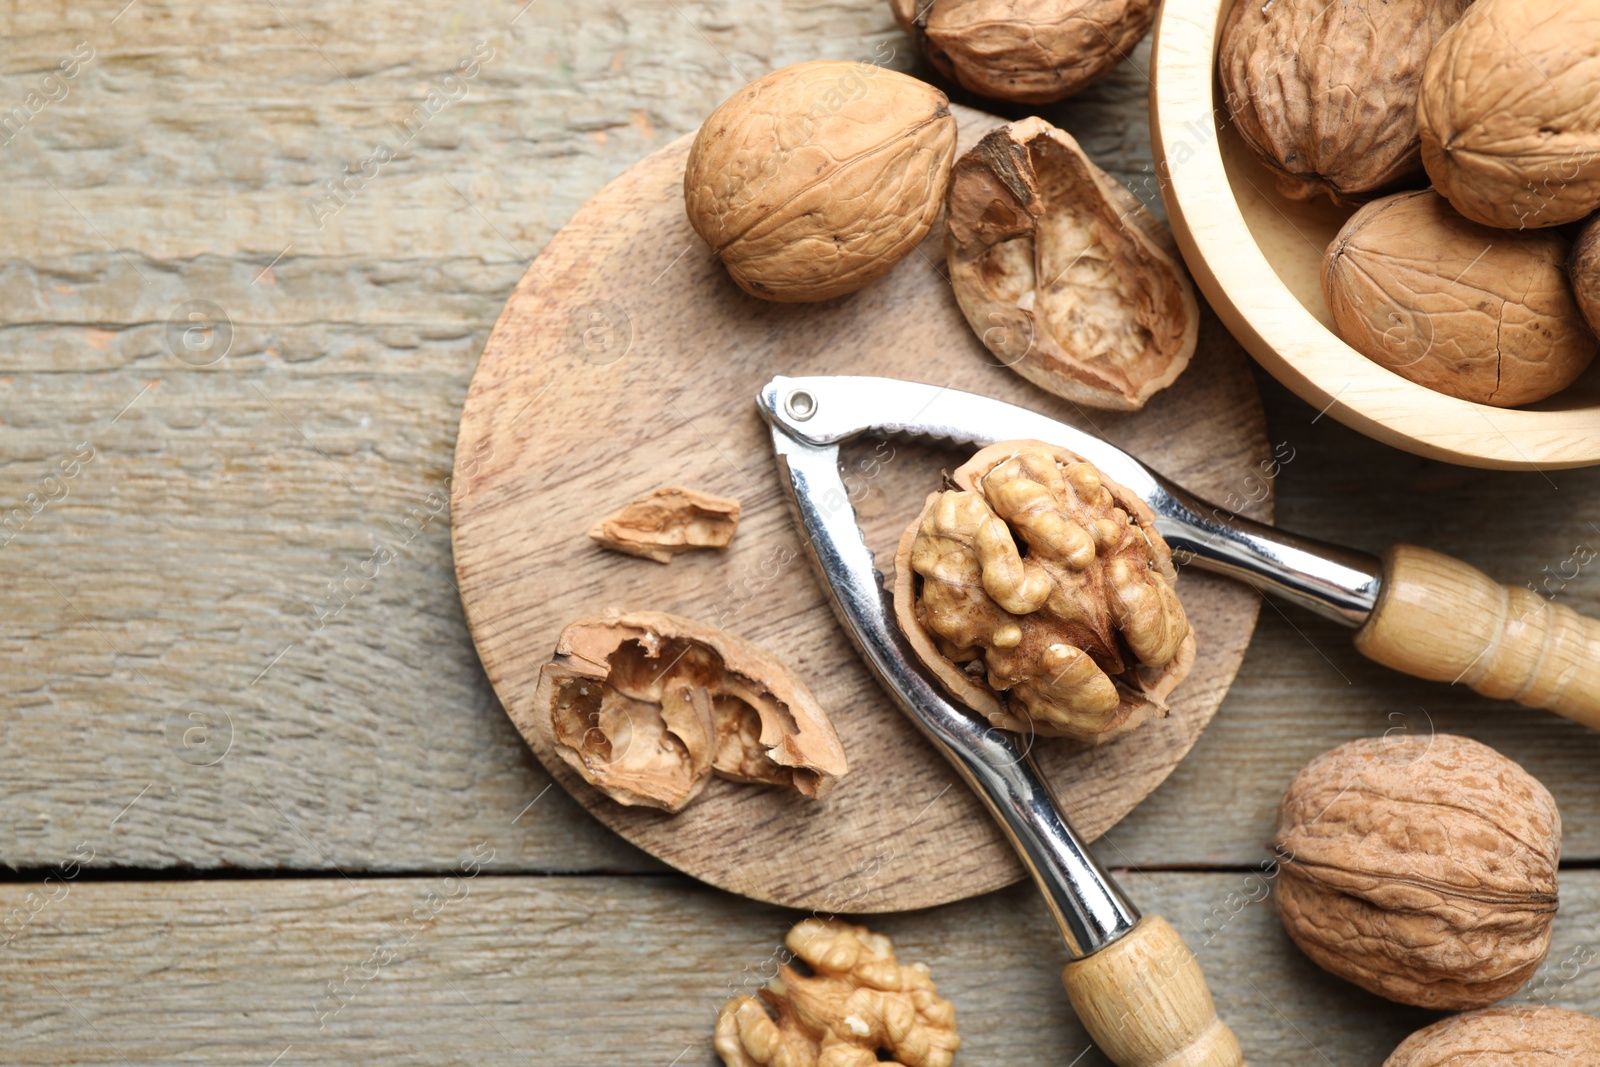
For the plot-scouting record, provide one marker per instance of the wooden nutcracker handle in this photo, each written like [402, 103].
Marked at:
[1440, 619]
[1146, 1004]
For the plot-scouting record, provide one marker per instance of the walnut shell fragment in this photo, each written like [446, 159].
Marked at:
[1308, 98]
[1066, 277]
[1040, 595]
[646, 706]
[1423, 869]
[1509, 115]
[858, 1008]
[816, 179]
[668, 521]
[1481, 314]
[1507, 1036]
[1025, 51]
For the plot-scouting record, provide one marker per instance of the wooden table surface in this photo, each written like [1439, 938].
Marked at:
[228, 789]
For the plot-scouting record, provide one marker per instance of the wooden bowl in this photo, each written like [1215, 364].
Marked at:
[1257, 257]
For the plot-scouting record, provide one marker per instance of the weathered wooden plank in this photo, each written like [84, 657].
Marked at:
[622, 970]
[198, 543]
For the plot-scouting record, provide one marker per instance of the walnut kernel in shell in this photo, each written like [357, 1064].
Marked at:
[1062, 272]
[1423, 869]
[858, 1001]
[1584, 269]
[1040, 594]
[1508, 1036]
[646, 706]
[1025, 51]
[1325, 94]
[667, 521]
[1478, 313]
[1509, 115]
[816, 179]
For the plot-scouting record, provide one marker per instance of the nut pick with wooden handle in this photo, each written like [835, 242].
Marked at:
[1136, 987]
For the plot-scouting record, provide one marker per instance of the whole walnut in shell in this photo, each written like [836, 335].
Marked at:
[1509, 1036]
[1584, 268]
[1509, 114]
[1040, 595]
[1065, 276]
[816, 179]
[1423, 869]
[1025, 51]
[1325, 94]
[646, 706]
[1478, 313]
[858, 1002]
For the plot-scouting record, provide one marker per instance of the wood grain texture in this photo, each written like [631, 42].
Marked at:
[627, 360]
[621, 971]
[198, 544]
[1443, 620]
[1257, 258]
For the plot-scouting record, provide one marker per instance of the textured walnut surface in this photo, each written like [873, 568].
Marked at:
[1065, 276]
[1325, 94]
[1479, 313]
[1510, 1036]
[816, 179]
[647, 706]
[1509, 115]
[1025, 51]
[1040, 594]
[857, 1007]
[1422, 869]
[1583, 268]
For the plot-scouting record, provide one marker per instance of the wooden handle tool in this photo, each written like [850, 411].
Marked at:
[1443, 620]
[1145, 1002]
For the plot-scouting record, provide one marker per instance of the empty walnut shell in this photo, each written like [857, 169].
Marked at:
[667, 521]
[1508, 1036]
[1076, 631]
[646, 706]
[1509, 115]
[1478, 313]
[1025, 51]
[816, 179]
[1584, 269]
[1065, 276]
[1325, 94]
[1423, 869]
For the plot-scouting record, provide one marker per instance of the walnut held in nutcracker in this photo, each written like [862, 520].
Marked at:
[1325, 94]
[1040, 594]
[1508, 1036]
[1481, 314]
[668, 521]
[1025, 51]
[1421, 868]
[1065, 276]
[859, 1007]
[816, 179]
[1509, 115]
[1584, 268]
[647, 706]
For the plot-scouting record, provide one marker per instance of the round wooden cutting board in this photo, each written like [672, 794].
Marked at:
[627, 360]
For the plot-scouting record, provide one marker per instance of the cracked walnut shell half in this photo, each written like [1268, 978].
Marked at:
[1310, 102]
[1040, 594]
[1025, 51]
[1421, 868]
[646, 706]
[859, 1008]
[1063, 273]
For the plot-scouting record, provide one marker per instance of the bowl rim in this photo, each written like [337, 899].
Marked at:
[1270, 321]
